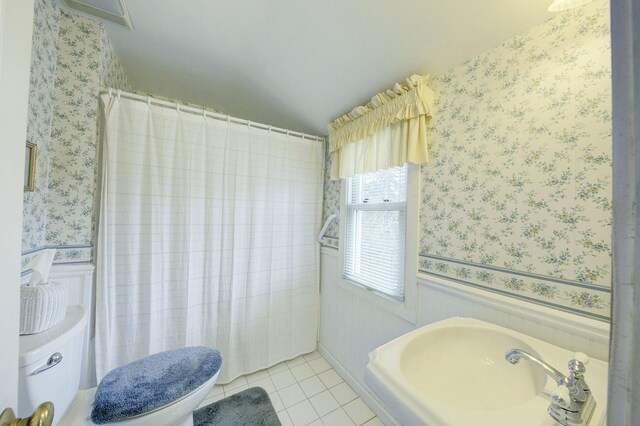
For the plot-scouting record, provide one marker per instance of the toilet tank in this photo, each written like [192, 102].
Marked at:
[50, 364]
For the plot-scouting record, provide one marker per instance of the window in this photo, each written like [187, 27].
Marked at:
[375, 228]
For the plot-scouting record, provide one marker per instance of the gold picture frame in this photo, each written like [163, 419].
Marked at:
[30, 166]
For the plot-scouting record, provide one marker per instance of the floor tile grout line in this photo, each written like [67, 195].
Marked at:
[276, 391]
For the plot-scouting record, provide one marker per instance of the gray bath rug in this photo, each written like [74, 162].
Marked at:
[251, 407]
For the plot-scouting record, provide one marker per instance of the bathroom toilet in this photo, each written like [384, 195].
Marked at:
[50, 369]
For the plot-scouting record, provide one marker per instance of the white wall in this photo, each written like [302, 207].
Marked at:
[16, 23]
[351, 326]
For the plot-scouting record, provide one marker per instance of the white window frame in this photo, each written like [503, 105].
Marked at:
[406, 309]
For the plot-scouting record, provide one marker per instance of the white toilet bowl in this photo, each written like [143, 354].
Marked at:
[178, 413]
[50, 371]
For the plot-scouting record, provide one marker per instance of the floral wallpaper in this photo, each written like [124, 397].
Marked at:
[71, 184]
[331, 203]
[72, 59]
[79, 60]
[516, 198]
[43, 67]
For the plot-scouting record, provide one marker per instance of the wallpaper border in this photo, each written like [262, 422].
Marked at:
[66, 254]
[556, 280]
[575, 297]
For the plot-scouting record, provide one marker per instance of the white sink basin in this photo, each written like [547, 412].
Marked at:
[454, 373]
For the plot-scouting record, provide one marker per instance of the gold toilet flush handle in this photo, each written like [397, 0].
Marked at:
[42, 416]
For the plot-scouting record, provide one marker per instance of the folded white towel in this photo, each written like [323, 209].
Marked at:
[40, 266]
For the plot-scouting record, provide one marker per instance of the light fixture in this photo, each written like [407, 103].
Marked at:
[560, 5]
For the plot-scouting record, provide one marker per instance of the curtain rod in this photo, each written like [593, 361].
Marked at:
[200, 111]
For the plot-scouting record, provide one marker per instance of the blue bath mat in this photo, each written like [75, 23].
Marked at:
[251, 407]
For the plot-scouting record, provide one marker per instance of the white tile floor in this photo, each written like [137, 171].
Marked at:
[304, 391]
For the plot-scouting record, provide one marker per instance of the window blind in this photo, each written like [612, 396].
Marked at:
[375, 230]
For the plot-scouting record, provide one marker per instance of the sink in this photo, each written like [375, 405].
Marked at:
[453, 372]
[477, 355]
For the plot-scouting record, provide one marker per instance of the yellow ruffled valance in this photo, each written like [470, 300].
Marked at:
[404, 101]
[400, 112]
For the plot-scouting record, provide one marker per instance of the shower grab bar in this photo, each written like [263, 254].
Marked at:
[325, 226]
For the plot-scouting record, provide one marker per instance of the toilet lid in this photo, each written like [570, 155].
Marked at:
[150, 383]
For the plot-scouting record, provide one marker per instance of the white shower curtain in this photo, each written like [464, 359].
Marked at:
[206, 237]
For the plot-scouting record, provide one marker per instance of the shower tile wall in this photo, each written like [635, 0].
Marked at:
[71, 58]
[516, 197]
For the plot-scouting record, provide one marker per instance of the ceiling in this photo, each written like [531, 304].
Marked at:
[298, 64]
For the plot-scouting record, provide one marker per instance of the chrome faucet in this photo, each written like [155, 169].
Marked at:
[572, 403]
[515, 355]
